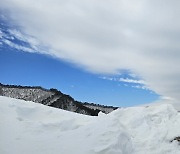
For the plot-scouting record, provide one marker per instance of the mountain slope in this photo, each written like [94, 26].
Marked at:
[27, 127]
[53, 98]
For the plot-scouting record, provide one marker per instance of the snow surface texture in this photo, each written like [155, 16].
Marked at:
[30, 128]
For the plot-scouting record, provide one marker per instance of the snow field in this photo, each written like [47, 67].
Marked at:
[27, 127]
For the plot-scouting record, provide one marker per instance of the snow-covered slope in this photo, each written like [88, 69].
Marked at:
[27, 128]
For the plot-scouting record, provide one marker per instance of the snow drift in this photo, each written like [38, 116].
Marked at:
[27, 127]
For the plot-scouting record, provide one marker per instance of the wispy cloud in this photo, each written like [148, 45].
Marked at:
[134, 83]
[131, 81]
[18, 47]
[1, 34]
[108, 78]
[34, 43]
[20, 41]
[107, 36]
[140, 87]
[127, 80]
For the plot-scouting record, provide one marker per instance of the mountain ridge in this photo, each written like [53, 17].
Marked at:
[54, 98]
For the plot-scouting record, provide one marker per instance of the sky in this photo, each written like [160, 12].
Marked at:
[121, 52]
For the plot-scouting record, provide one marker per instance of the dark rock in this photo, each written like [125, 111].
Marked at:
[176, 139]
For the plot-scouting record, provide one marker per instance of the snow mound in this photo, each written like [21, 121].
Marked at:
[27, 127]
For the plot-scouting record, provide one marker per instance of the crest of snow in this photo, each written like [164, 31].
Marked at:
[27, 127]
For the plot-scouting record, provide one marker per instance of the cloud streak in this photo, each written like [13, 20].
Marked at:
[134, 83]
[131, 81]
[105, 36]
[127, 80]
[18, 47]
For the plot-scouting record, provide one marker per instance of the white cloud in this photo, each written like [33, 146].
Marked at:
[139, 84]
[141, 87]
[1, 34]
[167, 98]
[107, 36]
[18, 47]
[127, 80]
[108, 78]
[131, 81]
[34, 43]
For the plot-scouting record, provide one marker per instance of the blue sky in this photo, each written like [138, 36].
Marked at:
[34, 69]
[120, 53]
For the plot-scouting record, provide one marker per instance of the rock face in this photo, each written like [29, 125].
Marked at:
[104, 109]
[53, 98]
[176, 139]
